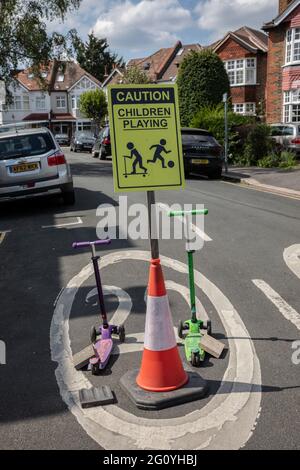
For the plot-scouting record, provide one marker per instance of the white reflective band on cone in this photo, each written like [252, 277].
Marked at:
[159, 330]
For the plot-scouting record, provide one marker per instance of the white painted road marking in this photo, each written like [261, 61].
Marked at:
[135, 342]
[67, 224]
[291, 256]
[201, 234]
[226, 422]
[287, 311]
[3, 235]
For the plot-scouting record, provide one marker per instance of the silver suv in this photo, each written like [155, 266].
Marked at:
[287, 136]
[32, 162]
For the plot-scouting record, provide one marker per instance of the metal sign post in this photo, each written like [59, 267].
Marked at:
[154, 245]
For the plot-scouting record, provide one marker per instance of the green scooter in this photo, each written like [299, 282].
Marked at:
[190, 330]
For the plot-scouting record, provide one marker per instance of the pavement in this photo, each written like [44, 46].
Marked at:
[280, 181]
[248, 277]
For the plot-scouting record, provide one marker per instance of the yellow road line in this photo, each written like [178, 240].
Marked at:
[261, 190]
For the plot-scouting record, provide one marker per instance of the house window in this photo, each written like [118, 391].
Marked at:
[60, 102]
[75, 101]
[40, 102]
[19, 103]
[291, 106]
[244, 108]
[26, 105]
[60, 77]
[292, 46]
[241, 71]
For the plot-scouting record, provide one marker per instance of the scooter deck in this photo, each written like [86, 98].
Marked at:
[103, 347]
[192, 343]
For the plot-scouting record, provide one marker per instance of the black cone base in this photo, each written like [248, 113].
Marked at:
[195, 389]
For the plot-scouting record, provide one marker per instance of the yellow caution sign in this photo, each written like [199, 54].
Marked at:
[146, 138]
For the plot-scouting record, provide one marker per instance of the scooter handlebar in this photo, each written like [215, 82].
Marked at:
[183, 213]
[89, 244]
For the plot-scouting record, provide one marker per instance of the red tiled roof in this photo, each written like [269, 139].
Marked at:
[37, 117]
[62, 117]
[249, 37]
[156, 64]
[172, 70]
[72, 74]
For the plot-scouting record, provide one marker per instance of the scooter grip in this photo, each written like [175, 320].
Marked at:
[88, 244]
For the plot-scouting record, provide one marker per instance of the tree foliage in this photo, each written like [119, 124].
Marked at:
[93, 105]
[95, 57]
[24, 40]
[134, 75]
[202, 81]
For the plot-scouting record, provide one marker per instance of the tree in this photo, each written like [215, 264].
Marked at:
[94, 56]
[24, 40]
[134, 75]
[93, 105]
[202, 81]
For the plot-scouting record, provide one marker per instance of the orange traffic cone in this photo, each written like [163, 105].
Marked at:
[161, 368]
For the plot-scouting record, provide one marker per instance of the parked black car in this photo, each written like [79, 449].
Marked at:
[201, 153]
[102, 146]
[62, 139]
[82, 140]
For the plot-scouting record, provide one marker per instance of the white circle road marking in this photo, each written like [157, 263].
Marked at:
[291, 256]
[226, 422]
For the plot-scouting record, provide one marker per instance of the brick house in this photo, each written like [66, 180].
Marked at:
[244, 53]
[283, 85]
[57, 108]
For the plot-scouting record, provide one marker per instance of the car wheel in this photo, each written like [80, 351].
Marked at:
[69, 197]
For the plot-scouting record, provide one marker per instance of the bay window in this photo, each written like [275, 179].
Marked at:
[40, 102]
[292, 46]
[291, 106]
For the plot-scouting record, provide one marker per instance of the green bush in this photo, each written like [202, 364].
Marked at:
[283, 159]
[212, 119]
[258, 144]
[202, 81]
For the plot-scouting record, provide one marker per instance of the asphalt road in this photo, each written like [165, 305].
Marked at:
[248, 231]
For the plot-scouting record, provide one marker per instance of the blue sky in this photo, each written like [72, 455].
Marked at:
[136, 28]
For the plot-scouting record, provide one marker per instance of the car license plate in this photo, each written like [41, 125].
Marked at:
[200, 162]
[24, 167]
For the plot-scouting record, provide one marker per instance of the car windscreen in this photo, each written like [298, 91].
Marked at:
[25, 145]
[277, 131]
[85, 135]
[198, 139]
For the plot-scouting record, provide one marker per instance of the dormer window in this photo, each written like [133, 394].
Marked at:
[292, 46]
[60, 77]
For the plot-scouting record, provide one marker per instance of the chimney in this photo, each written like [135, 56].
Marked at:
[283, 4]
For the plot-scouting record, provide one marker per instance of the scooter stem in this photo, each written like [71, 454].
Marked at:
[192, 285]
[99, 289]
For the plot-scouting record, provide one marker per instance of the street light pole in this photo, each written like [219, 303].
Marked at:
[225, 101]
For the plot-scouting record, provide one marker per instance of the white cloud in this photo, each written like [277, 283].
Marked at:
[221, 16]
[148, 23]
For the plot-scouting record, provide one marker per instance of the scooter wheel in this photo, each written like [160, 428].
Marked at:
[207, 327]
[122, 333]
[93, 335]
[180, 329]
[95, 369]
[195, 359]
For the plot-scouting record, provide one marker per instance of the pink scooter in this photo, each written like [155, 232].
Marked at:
[104, 345]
